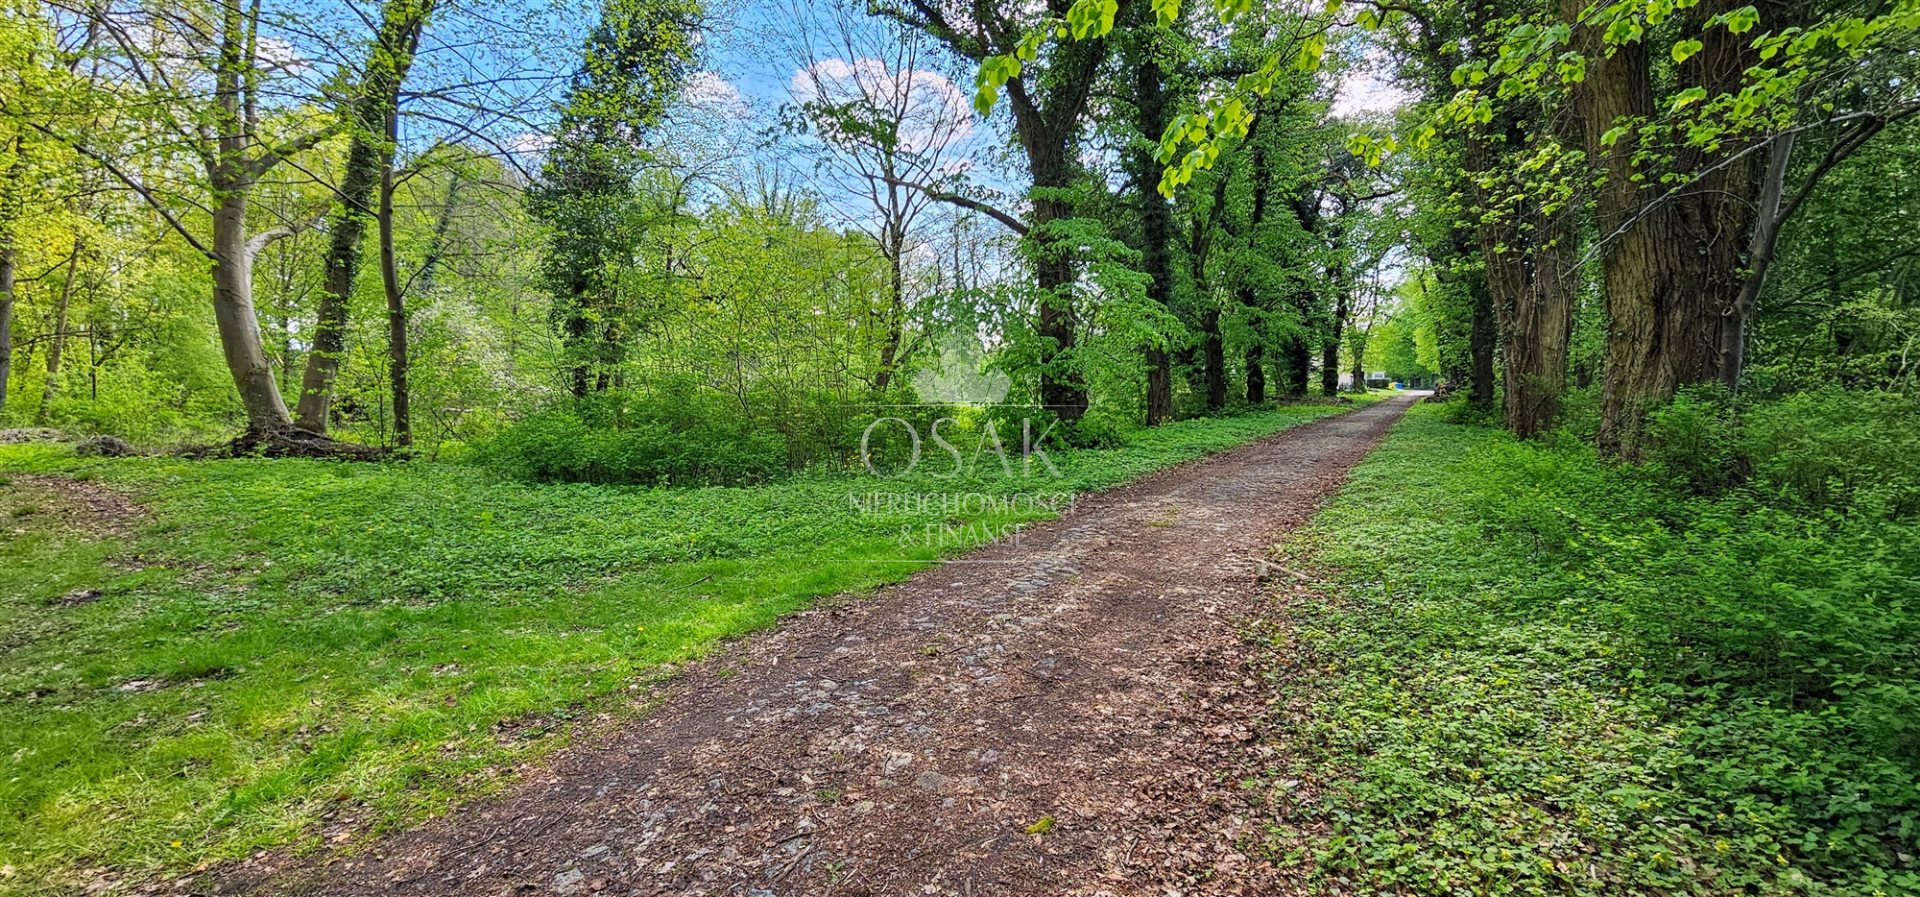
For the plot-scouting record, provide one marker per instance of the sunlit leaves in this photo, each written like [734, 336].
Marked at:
[1688, 97]
[1684, 50]
[1091, 18]
[1739, 21]
[995, 72]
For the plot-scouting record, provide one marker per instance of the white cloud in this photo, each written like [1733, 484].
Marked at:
[710, 92]
[531, 143]
[934, 113]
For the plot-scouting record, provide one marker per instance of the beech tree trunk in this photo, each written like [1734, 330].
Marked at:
[234, 316]
[1256, 374]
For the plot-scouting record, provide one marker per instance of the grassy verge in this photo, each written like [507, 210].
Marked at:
[284, 642]
[1543, 675]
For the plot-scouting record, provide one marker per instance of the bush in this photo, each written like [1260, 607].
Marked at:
[1838, 450]
[1695, 438]
[618, 439]
[1831, 450]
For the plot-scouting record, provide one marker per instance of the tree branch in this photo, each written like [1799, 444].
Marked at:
[132, 184]
[1012, 222]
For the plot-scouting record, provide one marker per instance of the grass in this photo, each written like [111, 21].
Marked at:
[1538, 674]
[286, 649]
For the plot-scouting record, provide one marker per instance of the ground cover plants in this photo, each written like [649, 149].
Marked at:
[1538, 673]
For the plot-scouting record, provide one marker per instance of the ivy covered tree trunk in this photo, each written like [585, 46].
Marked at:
[1330, 348]
[1482, 333]
[369, 153]
[1156, 218]
[1049, 151]
[1296, 358]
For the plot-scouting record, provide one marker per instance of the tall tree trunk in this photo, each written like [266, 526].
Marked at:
[369, 153]
[1213, 352]
[896, 314]
[1673, 264]
[234, 316]
[1533, 290]
[6, 317]
[1296, 357]
[1482, 332]
[9, 222]
[1063, 389]
[1159, 387]
[1529, 259]
[1359, 350]
[397, 361]
[1330, 349]
[1256, 374]
[57, 341]
[1766, 236]
[1156, 219]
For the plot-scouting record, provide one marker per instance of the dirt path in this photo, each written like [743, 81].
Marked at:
[1048, 717]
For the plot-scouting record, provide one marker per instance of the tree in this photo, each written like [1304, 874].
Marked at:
[887, 124]
[205, 100]
[632, 69]
[1048, 92]
[372, 117]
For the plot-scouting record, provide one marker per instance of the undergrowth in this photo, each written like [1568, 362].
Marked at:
[1542, 674]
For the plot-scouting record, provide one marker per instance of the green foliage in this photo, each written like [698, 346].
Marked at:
[1546, 675]
[380, 636]
[1823, 452]
[587, 441]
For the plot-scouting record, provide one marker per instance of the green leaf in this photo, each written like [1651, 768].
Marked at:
[1685, 49]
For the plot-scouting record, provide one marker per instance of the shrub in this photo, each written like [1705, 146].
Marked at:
[1695, 438]
[1832, 450]
[614, 438]
[1838, 450]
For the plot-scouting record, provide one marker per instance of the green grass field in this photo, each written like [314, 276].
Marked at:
[274, 643]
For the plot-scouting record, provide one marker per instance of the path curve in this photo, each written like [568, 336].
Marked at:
[1031, 722]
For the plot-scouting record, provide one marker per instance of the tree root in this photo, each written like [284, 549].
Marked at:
[288, 442]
